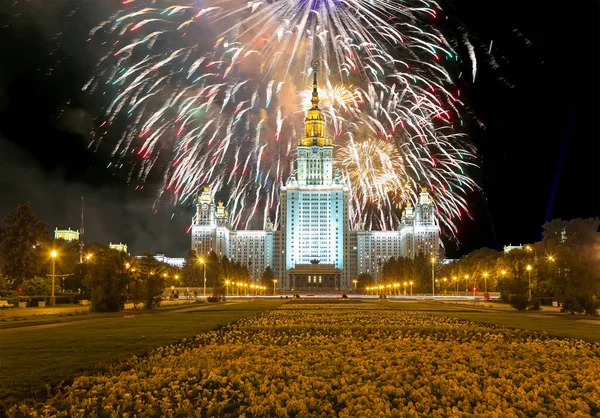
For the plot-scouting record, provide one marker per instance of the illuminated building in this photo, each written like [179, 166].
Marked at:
[66, 234]
[508, 248]
[418, 234]
[315, 247]
[161, 258]
[118, 247]
[211, 232]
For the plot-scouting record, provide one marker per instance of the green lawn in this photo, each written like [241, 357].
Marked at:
[558, 324]
[39, 356]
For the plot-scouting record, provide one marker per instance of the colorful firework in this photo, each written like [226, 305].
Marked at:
[218, 90]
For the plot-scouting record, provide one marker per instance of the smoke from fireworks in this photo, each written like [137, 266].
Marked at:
[219, 90]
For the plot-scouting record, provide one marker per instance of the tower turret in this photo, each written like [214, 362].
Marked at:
[315, 149]
[205, 208]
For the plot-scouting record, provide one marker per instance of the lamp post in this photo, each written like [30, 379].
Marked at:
[444, 279]
[485, 282]
[529, 272]
[355, 283]
[226, 287]
[52, 298]
[411, 284]
[274, 287]
[455, 279]
[467, 284]
[203, 262]
[433, 276]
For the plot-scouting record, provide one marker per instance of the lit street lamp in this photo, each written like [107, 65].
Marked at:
[53, 254]
[485, 281]
[227, 287]
[411, 285]
[355, 283]
[467, 283]
[433, 275]
[274, 287]
[529, 272]
[203, 262]
[455, 279]
[444, 279]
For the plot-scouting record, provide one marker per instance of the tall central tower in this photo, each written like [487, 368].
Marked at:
[314, 210]
[315, 149]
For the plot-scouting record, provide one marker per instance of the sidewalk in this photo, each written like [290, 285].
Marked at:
[15, 313]
[54, 321]
[32, 316]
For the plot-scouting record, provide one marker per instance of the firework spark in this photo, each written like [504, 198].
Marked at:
[219, 90]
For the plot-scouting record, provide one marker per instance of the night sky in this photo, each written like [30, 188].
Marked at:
[539, 146]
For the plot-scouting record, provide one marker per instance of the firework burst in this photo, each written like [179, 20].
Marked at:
[218, 90]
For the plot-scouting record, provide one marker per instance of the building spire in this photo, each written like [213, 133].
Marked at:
[315, 93]
[314, 124]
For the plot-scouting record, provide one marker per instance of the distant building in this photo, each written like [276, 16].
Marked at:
[66, 234]
[508, 248]
[161, 258]
[173, 262]
[118, 247]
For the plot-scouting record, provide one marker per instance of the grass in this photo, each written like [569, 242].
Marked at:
[37, 358]
[557, 324]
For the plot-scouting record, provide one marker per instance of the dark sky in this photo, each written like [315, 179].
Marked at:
[539, 149]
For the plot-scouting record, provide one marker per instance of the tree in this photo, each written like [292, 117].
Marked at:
[365, 280]
[107, 280]
[574, 268]
[213, 269]
[421, 271]
[75, 281]
[267, 277]
[191, 274]
[150, 274]
[23, 253]
[514, 288]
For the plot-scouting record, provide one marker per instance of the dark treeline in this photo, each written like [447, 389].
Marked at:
[564, 266]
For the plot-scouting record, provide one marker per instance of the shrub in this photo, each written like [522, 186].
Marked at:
[41, 286]
[212, 299]
[518, 301]
[581, 303]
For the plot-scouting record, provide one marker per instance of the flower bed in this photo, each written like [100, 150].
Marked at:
[340, 360]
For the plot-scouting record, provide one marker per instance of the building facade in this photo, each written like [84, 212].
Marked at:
[315, 247]
[119, 247]
[66, 234]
